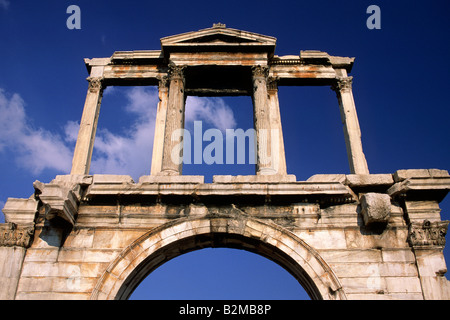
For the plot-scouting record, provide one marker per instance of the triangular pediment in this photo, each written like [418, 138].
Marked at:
[218, 35]
[218, 38]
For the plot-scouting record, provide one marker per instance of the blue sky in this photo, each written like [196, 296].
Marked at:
[401, 89]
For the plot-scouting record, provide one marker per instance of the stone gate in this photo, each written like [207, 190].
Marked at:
[355, 236]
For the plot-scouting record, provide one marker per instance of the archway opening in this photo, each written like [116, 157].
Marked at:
[312, 131]
[216, 240]
[124, 144]
[219, 137]
[170, 240]
[219, 274]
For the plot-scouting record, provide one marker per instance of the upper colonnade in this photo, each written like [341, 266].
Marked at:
[219, 61]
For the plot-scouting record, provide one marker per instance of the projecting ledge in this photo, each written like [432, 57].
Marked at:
[190, 185]
[172, 179]
[275, 178]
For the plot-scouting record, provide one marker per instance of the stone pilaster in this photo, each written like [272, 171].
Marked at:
[352, 131]
[15, 237]
[173, 134]
[160, 125]
[88, 126]
[261, 113]
[427, 240]
[419, 192]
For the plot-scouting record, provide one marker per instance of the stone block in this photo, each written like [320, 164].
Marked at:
[254, 178]
[351, 255]
[398, 255]
[20, 211]
[59, 201]
[112, 179]
[403, 284]
[73, 179]
[364, 180]
[327, 178]
[390, 238]
[375, 208]
[172, 179]
[401, 175]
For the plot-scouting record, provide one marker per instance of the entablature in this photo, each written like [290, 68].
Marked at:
[219, 47]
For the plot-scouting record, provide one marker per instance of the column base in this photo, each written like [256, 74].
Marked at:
[266, 172]
[168, 172]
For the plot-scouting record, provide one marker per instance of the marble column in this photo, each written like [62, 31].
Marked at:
[173, 134]
[160, 125]
[352, 132]
[261, 117]
[277, 140]
[88, 126]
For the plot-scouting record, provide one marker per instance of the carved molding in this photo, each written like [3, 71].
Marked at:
[342, 84]
[278, 61]
[12, 235]
[427, 233]
[219, 25]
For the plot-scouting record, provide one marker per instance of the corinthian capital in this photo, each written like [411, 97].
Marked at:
[176, 72]
[163, 82]
[342, 84]
[427, 234]
[272, 83]
[95, 84]
[260, 71]
[12, 235]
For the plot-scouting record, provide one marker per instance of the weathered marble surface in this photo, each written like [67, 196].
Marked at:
[123, 229]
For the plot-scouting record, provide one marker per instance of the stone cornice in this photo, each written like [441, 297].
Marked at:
[60, 198]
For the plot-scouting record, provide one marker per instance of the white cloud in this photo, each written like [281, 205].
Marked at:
[214, 111]
[33, 149]
[129, 153]
[71, 131]
[126, 153]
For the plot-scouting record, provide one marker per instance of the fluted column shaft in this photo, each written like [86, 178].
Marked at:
[261, 117]
[352, 131]
[160, 126]
[173, 134]
[88, 126]
[277, 141]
